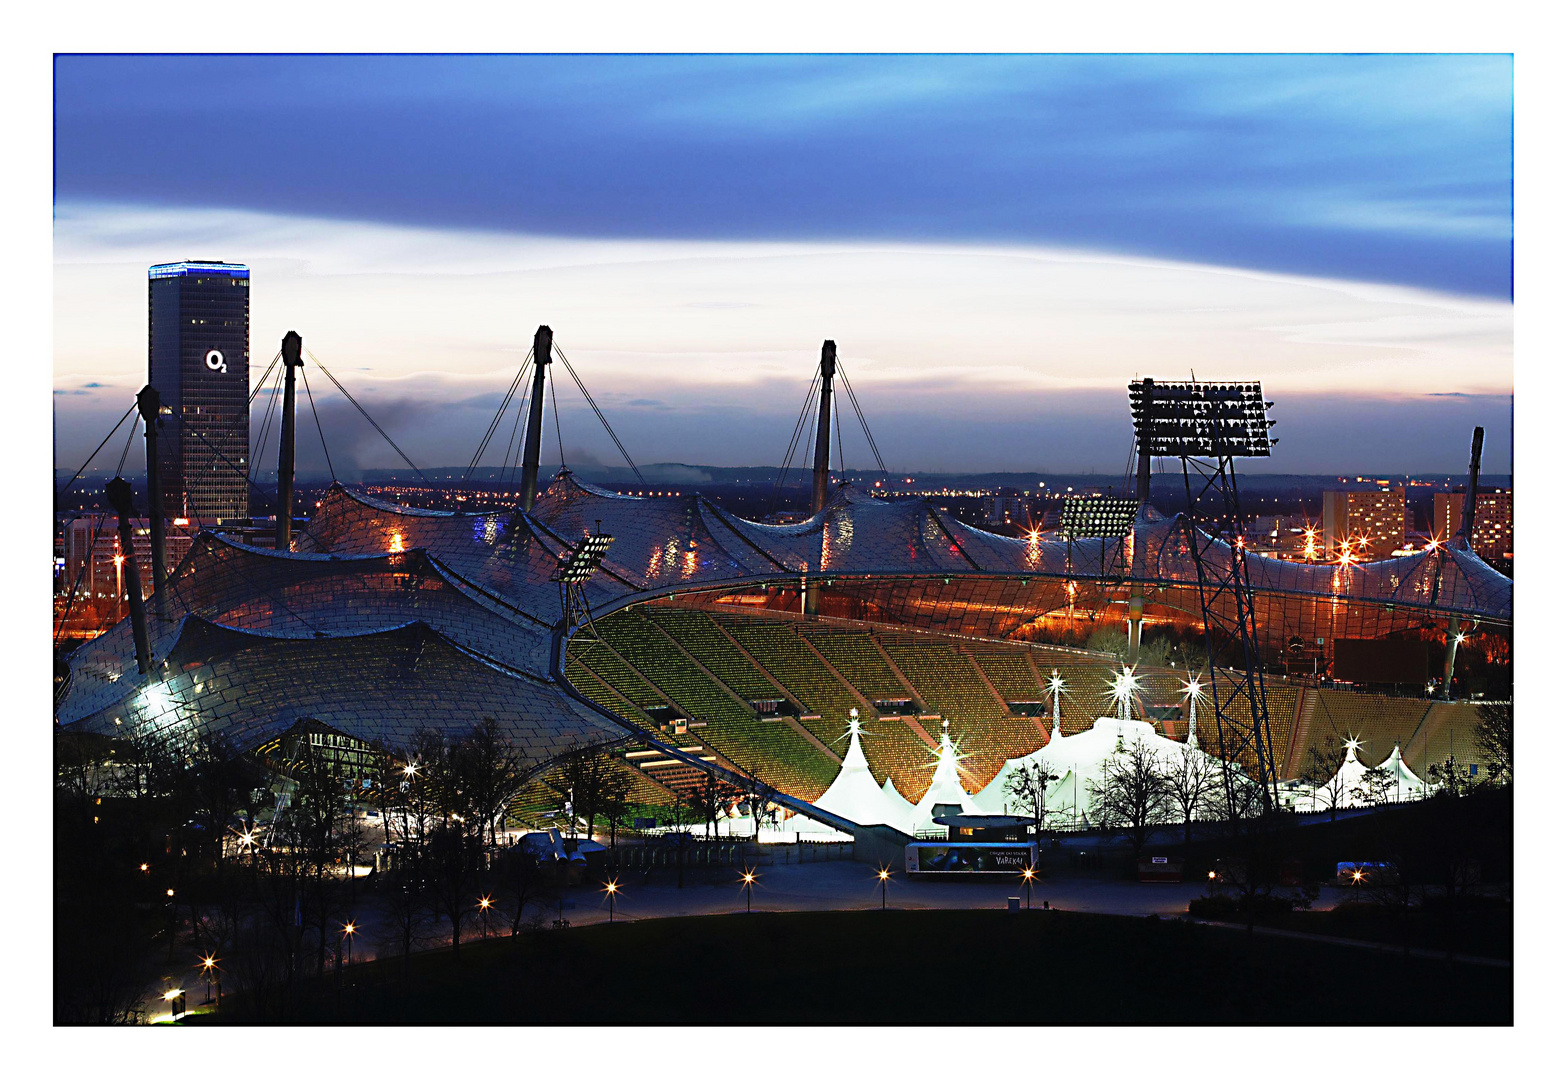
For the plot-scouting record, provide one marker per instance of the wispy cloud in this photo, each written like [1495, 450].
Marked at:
[964, 355]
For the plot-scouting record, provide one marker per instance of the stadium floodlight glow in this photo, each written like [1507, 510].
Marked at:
[1084, 516]
[579, 563]
[1201, 419]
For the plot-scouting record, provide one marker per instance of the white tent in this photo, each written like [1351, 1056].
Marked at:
[1406, 785]
[855, 795]
[1338, 791]
[946, 788]
[901, 806]
[1077, 760]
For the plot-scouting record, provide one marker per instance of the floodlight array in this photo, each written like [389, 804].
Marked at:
[1201, 419]
[1083, 516]
[580, 563]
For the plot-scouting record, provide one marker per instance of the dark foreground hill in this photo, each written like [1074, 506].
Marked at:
[899, 967]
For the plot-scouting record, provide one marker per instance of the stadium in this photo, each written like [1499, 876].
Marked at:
[691, 642]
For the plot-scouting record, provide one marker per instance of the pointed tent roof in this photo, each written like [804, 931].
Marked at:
[1406, 785]
[853, 794]
[1083, 753]
[946, 787]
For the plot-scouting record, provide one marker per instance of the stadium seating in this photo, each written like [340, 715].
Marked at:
[854, 654]
[776, 753]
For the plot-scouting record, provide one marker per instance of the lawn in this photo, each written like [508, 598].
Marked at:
[899, 967]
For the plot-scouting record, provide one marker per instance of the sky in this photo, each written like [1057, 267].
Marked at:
[998, 244]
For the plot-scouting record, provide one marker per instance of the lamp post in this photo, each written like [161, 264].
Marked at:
[1028, 884]
[611, 887]
[176, 1000]
[485, 903]
[883, 875]
[209, 970]
[749, 878]
[173, 917]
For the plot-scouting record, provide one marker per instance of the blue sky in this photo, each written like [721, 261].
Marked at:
[1386, 181]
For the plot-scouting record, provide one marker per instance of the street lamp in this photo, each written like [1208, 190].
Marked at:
[485, 903]
[1028, 884]
[611, 887]
[176, 1000]
[883, 875]
[209, 971]
[749, 878]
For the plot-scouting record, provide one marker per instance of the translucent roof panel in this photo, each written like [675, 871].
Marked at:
[379, 688]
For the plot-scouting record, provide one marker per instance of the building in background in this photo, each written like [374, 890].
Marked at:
[198, 359]
[90, 586]
[1370, 522]
[1492, 538]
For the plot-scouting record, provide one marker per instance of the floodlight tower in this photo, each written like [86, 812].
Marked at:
[1208, 425]
[1103, 519]
[1134, 598]
[574, 568]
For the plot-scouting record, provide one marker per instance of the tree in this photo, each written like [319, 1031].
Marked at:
[1450, 778]
[1132, 793]
[523, 881]
[490, 772]
[1321, 771]
[1192, 784]
[617, 790]
[582, 781]
[1375, 787]
[1494, 740]
[1027, 790]
[1109, 639]
[709, 799]
[755, 796]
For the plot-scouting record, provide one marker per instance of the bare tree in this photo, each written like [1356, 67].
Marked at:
[1132, 793]
[523, 882]
[1027, 791]
[1321, 771]
[1193, 785]
[617, 790]
[492, 771]
[1494, 740]
[709, 800]
[1375, 787]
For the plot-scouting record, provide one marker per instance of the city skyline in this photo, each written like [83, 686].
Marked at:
[982, 335]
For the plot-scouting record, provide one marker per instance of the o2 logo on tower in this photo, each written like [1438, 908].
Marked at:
[215, 361]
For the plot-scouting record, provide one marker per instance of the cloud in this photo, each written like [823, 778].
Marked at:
[962, 355]
[1383, 168]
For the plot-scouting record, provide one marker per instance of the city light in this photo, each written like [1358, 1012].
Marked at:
[484, 903]
[349, 928]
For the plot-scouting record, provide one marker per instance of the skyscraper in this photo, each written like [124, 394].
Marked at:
[198, 359]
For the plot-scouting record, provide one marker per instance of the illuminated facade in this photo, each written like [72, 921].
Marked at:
[1371, 523]
[1492, 537]
[198, 359]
